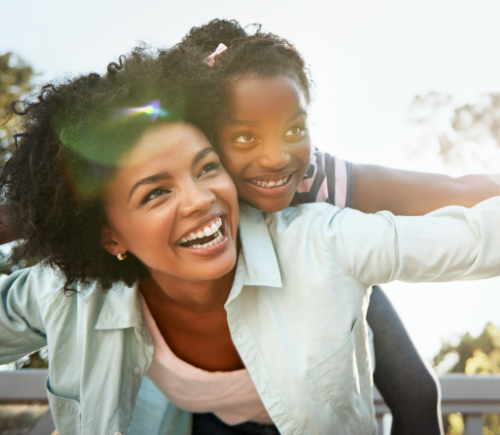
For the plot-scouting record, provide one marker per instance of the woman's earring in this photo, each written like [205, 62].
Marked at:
[120, 256]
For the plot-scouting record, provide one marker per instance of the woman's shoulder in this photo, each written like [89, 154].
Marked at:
[46, 284]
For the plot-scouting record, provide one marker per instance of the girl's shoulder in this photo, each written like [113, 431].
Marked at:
[327, 179]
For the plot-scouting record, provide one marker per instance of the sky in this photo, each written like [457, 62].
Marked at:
[368, 60]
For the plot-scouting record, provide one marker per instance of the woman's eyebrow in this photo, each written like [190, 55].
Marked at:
[149, 180]
[202, 153]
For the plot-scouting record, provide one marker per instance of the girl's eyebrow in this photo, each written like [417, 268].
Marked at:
[299, 113]
[238, 122]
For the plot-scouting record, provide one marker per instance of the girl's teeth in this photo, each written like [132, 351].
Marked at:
[208, 231]
[214, 228]
[270, 183]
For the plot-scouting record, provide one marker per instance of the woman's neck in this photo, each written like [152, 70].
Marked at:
[197, 296]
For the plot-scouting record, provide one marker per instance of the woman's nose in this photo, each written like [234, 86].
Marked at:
[196, 198]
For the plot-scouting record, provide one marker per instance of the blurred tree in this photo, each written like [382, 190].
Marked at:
[15, 83]
[472, 355]
[464, 137]
[475, 354]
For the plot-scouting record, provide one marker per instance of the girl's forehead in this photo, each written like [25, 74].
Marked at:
[265, 95]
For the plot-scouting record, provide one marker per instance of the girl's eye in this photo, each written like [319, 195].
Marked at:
[209, 167]
[295, 131]
[244, 138]
[155, 194]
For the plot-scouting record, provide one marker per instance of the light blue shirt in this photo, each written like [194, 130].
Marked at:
[296, 313]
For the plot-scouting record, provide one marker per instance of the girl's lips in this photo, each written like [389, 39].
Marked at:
[276, 187]
[212, 247]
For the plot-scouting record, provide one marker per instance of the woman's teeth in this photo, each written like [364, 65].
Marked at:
[207, 245]
[210, 230]
[277, 183]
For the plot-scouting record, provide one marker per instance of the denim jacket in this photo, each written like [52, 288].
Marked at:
[296, 313]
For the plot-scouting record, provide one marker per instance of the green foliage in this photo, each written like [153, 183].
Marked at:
[15, 82]
[475, 355]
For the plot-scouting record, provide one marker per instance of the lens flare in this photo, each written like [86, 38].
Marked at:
[153, 108]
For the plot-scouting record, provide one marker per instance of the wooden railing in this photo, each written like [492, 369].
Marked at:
[27, 387]
[470, 395]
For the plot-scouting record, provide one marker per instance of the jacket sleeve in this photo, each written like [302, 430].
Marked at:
[24, 298]
[449, 244]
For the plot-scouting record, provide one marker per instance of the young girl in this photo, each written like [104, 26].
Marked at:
[260, 91]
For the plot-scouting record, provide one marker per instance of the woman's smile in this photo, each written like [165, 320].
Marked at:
[208, 239]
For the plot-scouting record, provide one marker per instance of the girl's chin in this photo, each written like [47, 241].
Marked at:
[269, 205]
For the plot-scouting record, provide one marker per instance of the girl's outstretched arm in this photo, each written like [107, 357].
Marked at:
[408, 193]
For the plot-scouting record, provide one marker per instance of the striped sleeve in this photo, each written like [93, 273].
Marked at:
[327, 179]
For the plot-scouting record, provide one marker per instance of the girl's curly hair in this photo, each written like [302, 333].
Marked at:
[249, 55]
[73, 133]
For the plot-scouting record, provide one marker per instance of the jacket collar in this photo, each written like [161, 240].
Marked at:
[257, 265]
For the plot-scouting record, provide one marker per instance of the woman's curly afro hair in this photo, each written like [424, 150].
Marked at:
[72, 135]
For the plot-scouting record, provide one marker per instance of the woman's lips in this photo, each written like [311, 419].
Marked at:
[205, 236]
[207, 241]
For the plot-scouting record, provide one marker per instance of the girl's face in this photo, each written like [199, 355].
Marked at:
[173, 206]
[265, 144]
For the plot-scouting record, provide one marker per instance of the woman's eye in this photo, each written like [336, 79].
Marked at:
[155, 194]
[244, 138]
[298, 130]
[209, 167]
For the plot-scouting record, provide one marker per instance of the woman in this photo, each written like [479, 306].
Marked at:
[129, 203]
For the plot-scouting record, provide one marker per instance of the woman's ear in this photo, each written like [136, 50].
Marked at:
[110, 242]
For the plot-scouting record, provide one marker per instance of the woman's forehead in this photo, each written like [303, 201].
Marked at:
[177, 140]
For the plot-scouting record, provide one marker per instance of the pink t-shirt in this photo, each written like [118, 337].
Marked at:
[229, 395]
[327, 179]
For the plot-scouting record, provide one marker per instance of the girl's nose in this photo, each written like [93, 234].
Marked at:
[276, 155]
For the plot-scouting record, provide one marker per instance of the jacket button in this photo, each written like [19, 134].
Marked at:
[137, 371]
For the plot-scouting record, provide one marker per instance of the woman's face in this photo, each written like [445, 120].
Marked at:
[173, 206]
[265, 144]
